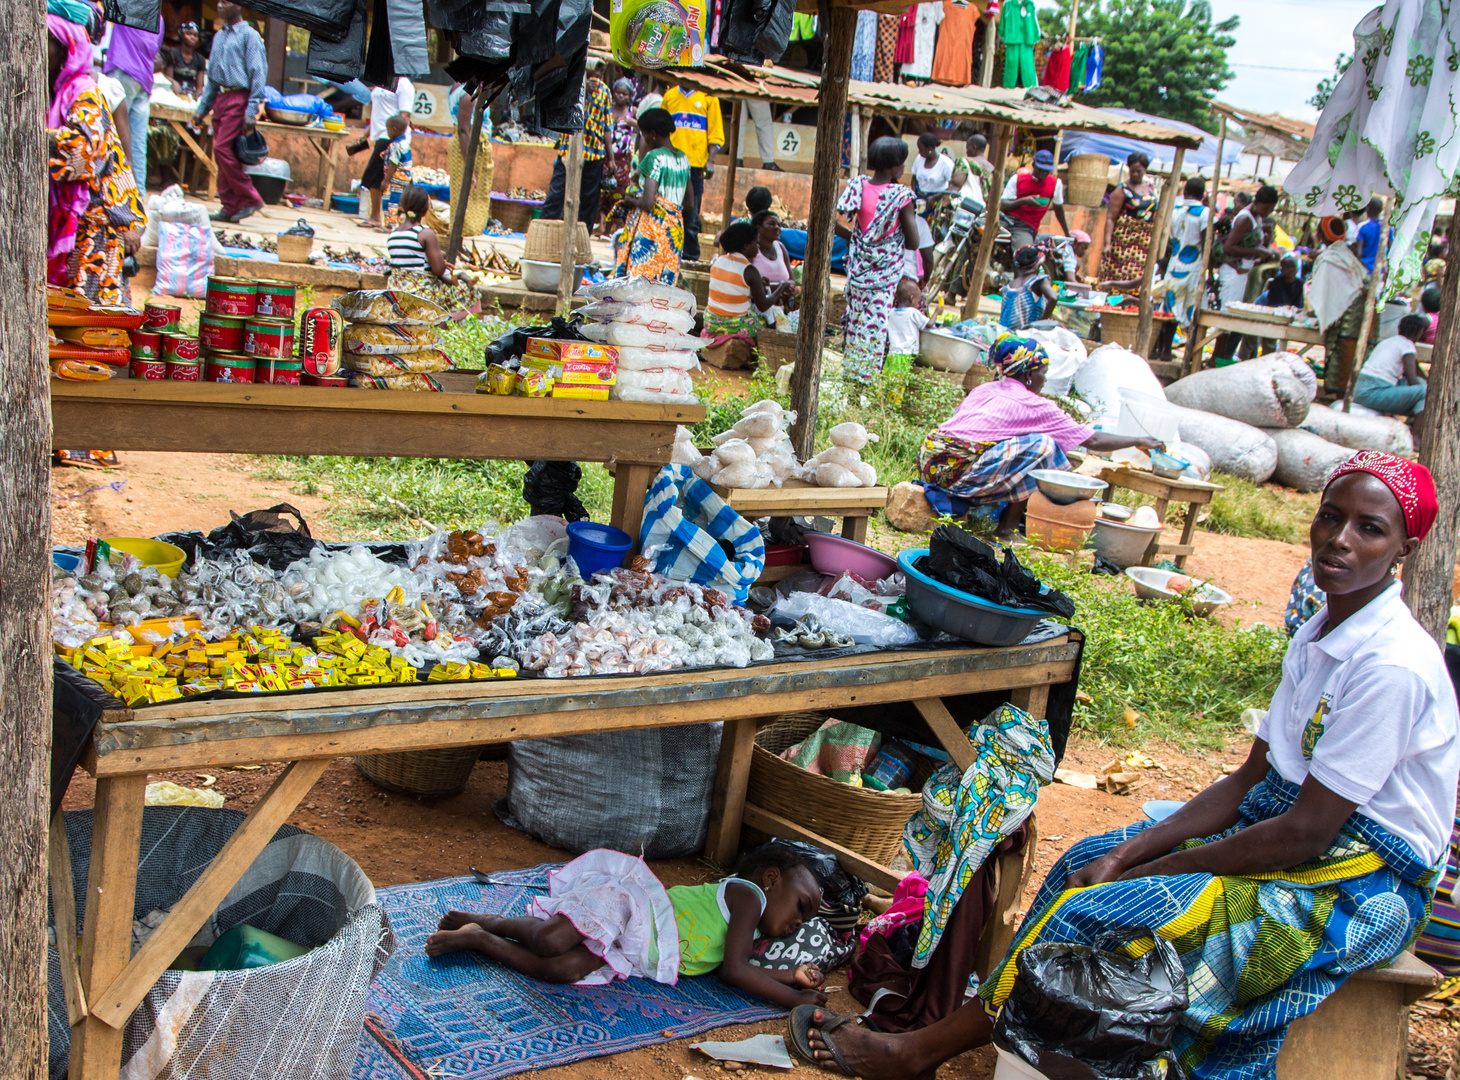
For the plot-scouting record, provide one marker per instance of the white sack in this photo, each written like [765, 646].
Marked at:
[1305, 461]
[1263, 393]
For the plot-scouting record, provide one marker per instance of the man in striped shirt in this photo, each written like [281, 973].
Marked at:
[597, 153]
[233, 92]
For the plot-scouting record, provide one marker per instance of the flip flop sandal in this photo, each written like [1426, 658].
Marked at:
[803, 1019]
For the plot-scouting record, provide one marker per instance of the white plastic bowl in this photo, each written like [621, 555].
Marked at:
[1150, 584]
[1063, 487]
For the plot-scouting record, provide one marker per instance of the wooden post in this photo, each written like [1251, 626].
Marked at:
[1429, 571]
[866, 135]
[1002, 136]
[1193, 334]
[821, 227]
[468, 173]
[1158, 239]
[728, 206]
[858, 149]
[572, 196]
[276, 50]
[1371, 299]
[990, 46]
[25, 557]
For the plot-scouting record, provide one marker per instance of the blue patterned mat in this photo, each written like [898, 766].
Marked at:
[462, 1015]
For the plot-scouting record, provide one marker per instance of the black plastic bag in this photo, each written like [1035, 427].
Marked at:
[1082, 1012]
[965, 562]
[550, 488]
[511, 345]
[265, 535]
[299, 228]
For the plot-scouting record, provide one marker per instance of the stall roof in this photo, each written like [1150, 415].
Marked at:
[720, 78]
[1118, 147]
[1269, 133]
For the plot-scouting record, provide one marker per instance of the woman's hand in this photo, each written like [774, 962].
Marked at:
[132, 241]
[809, 976]
[1108, 867]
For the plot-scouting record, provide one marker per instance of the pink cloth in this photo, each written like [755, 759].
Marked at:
[1006, 409]
[68, 199]
[1428, 338]
[235, 189]
[870, 194]
[907, 907]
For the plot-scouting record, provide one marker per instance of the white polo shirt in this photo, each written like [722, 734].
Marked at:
[1370, 712]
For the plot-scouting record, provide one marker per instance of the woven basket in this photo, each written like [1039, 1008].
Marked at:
[431, 774]
[1089, 175]
[293, 248]
[775, 348]
[544, 242]
[698, 283]
[866, 821]
[1120, 327]
[515, 216]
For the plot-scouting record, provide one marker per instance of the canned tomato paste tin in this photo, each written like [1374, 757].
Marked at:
[179, 371]
[284, 372]
[182, 347]
[275, 300]
[321, 341]
[148, 369]
[161, 315]
[146, 345]
[324, 380]
[221, 333]
[232, 296]
[273, 338]
[229, 368]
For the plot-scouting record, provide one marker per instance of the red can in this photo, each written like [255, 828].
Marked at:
[229, 368]
[183, 347]
[285, 372]
[162, 316]
[184, 372]
[273, 338]
[232, 296]
[275, 300]
[146, 345]
[324, 380]
[148, 369]
[221, 333]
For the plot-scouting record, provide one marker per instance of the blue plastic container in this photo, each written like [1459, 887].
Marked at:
[345, 204]
[597, 547]
[962, 614]
[66, 562]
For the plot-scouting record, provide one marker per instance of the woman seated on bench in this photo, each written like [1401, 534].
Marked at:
[1316, 859]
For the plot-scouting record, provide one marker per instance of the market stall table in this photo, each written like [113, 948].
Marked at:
[1211, 323]
[243, 418]
[309, 730]
[797, 498]
[1195, 493]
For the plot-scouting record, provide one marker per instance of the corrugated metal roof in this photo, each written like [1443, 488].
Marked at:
[720, 78]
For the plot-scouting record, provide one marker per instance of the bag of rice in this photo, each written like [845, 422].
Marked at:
[643, 359]
[638, 290]
[636, 336]
[604, 311]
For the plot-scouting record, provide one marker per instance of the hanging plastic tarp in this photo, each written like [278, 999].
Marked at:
[1118, 148]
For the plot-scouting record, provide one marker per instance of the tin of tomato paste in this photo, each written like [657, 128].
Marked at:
[182, 347]
[284, 372]
[180, 371]
[273, 338]
[229, 368]
[148, 369]
[146, 345]
[161, 315]
[275, 300]
[321, 341]
[221, 333]
[232, 296]
[324, 380]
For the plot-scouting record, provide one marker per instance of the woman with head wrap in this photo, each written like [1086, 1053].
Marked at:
[1317, 858]
[1029, 297]
[1002, 432]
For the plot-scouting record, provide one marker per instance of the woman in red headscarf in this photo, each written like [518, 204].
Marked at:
[1317, 858]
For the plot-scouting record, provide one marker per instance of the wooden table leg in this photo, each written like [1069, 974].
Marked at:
[111, 895]
[855, 528]
[630, 486]
[63, 906]
[203, 156]
[326, 150]
[1188, 529]
[1032, 699]
[727, 809]
[947, 731]
[1150, 556]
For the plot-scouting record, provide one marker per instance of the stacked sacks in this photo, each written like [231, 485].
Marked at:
[1264, 393]
[649, 324]
[1305, 460]
[841, 464]
[392, 342]
[1360, 432]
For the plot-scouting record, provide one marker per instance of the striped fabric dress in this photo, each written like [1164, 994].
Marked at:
[729, 310]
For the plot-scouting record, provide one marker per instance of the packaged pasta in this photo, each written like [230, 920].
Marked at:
[102, 337]
[423, 361]
[395, 382]
[384, 339]
[388, 307]
[80, 371]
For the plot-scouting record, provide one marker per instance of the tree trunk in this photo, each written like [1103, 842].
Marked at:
[25, 540]
[1430, 571]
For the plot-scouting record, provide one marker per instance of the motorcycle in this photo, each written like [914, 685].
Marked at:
[953, 256]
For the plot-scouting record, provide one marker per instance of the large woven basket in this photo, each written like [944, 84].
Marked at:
[1121, 327]
[544, 242]
[775, 348]
[431, 774]
[294, 249]
[866, 821]
[1089, 175]
[515, 215]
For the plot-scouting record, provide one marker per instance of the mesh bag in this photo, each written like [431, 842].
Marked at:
[299, 1018]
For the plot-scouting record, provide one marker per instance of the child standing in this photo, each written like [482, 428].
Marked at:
[608, 917]
[904, 337]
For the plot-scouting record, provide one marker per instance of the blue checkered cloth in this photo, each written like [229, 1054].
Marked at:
[684, 522]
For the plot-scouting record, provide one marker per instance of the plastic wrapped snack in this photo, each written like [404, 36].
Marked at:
[604, 311]
[735, 451]
[835, 455]
[865, 473]
[424, 361]
[671, 382]
[644, 359]
[851, 435]
[638, 290]
[830, 475]
[636, 336]
[384, 340]
[396, 382]
[388, 307]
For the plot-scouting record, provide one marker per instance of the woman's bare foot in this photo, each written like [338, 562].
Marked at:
[870, 1054]
[467, 938]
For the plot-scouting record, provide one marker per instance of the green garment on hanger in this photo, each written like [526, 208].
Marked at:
[1019, 30]
[1077, 69]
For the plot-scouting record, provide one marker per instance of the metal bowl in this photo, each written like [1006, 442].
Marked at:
[1150, 584]
[288, 116]
[948, 353]
[538, 276]
[1063, 487]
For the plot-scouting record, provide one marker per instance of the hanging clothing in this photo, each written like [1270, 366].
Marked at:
[1077, 69]
[874, 267]
[884, 60]
[1125, 258]
[1183, 287]
[907, 29]
[1094, 65]
[953, 60]
[926, 18]
[1019, 31]
[864, 46]
[1057, 69]
[1390, 124]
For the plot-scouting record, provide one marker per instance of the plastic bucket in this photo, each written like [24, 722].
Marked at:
[168, 558]
[597, 547]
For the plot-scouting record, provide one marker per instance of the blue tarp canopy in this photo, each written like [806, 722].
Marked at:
[1117, 148]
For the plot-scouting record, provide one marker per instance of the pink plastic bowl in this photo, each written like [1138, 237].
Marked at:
[836, 555]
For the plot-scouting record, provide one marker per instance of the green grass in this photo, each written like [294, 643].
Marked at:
[1267, 513]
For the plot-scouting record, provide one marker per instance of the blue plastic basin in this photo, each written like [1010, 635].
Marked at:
[597, 547]
[962, 614]
[66, 562]
[345, 204]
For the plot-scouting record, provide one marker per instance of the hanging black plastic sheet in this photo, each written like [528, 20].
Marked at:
[138, 14]
[330, 19]
[340, 60]
[753, 31]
